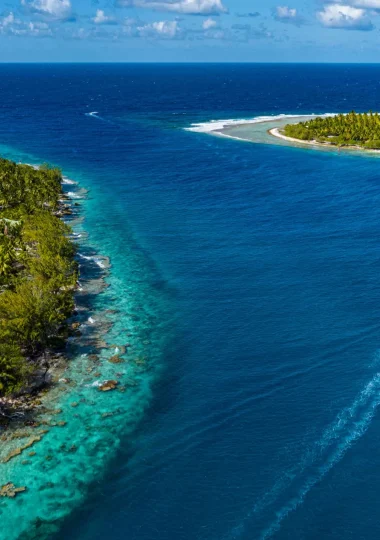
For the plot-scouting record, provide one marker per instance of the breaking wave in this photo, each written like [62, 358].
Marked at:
[217, 125]
[67, 181]
[96, 259]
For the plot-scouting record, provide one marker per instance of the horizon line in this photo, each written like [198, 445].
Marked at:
[150, 62]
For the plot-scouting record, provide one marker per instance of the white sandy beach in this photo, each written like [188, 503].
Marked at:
[249, 130]
[276, 133]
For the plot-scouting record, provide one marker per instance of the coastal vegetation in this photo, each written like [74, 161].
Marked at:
[353, 129]
[38, 273]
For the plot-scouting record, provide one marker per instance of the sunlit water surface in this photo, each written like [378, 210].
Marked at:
[244, 276]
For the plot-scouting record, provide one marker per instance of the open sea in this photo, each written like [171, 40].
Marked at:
[247, 275]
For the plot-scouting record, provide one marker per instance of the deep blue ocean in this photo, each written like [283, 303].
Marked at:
[264, 421]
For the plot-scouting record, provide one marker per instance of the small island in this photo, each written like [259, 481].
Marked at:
[355, 130]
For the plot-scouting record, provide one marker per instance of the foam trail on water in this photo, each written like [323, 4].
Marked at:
[349, 425]
[349, 432]
[116, 124]
[217, 125]
[95, 114]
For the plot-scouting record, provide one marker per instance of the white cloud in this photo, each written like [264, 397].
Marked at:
[345, 17]
[189, 7]
[8, 20]
[157, 30]
[160, 29]
[209, 23]
[366, 4]
[286, 14]
[15, 27]
[102, 18]
[38, 29]
[55, 9]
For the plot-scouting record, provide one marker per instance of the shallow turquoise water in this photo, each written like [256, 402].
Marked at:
[68, 459]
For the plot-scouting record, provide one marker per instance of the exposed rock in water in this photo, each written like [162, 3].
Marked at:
[75, 325]
[18, 451]
[108, 385]
[115, 359]
[10, 490]
[12, 454]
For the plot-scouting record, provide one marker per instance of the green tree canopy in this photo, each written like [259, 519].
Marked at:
[353, 129]
[37, 269]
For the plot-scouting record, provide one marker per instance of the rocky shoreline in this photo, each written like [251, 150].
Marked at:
[96, 390]
[24, 404]
[26, 416]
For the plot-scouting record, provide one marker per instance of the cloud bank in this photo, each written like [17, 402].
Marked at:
[345, 17]
[12, 26]
[53, 9]
[187, 7]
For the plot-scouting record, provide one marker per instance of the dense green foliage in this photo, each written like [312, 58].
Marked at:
[351, 129]
[37, 269]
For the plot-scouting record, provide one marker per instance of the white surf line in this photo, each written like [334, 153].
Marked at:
[74, 195]
[95, 258]
[67, 181]
[349, 426]
[218, 125]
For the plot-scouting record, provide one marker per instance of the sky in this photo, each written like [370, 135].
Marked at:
[189, 31]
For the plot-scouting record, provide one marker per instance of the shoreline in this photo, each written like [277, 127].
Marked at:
[275, 132]
[48, 357]
[24, 407]
[113, 360]
[230, 129]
